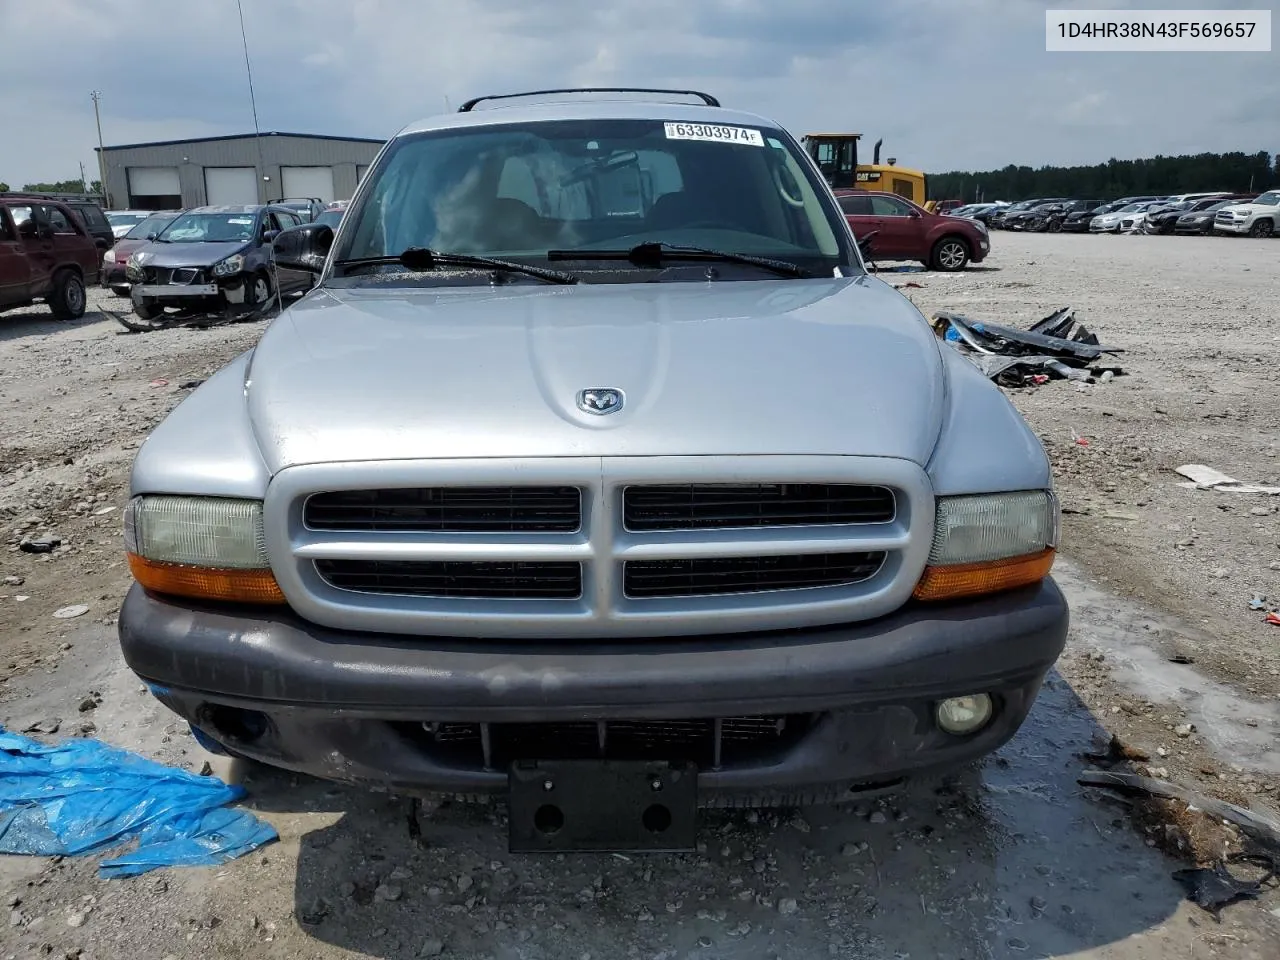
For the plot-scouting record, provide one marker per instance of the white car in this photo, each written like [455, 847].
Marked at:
[122, 221]
[1110, 222]
[1259, 217]
[1136, 222]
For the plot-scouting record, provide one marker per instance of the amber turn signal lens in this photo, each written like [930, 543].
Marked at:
[974, 579]
[179, 580]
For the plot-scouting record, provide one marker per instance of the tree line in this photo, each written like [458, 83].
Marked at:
[57, 186]
[1236, 172]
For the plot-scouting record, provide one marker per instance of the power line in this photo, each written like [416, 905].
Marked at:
[257, 139]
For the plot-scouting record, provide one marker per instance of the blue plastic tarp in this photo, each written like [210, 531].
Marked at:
[83, 796]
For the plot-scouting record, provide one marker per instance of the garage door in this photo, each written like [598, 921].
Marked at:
[230, 185]
[308, 182]
[154, 188]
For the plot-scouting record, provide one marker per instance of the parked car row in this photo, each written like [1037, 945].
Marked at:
[1257, 215]
[53, 248]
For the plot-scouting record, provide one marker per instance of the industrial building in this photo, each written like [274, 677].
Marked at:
[176, 174]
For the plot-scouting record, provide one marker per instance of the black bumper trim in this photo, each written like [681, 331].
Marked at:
[261, 657]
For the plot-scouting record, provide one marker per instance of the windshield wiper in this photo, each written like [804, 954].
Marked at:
[653, 254]
[422, 260]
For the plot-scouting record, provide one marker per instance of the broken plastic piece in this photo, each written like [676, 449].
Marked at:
[1212, 888]
[1207, 478]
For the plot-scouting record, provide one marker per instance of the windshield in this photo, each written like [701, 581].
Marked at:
[1132, 208]
[126, 219]
[209, 228]
[330, 218]
[1269, 199]
[517, 191]
[153, 224]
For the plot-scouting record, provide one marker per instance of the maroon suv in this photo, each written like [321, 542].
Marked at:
[904, 231]
[46, 253]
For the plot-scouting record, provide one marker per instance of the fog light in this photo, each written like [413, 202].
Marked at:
[964, 715]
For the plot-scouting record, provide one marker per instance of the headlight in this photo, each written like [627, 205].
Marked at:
[206, 547]
[991, 542]
[133, 269]
[109, 256]
[233, 264]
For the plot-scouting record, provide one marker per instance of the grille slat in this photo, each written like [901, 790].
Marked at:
[482, 579]
[448, 510]
[647, 579]
[702, 506]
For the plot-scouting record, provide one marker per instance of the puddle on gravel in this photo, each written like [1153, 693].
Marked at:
[1240, 731]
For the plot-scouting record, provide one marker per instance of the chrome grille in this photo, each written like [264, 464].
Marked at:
[455, 578]
[720, 575]
[705, 506]
[800, 541]
[448, 509]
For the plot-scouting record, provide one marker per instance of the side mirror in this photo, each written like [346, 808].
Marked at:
[269, 235]
[915, 213]
[303, 248]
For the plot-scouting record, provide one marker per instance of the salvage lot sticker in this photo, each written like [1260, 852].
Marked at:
[713, 132]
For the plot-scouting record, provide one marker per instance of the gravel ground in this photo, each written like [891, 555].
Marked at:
[1009, 859]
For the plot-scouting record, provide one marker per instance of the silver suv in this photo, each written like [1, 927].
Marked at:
[597, 473]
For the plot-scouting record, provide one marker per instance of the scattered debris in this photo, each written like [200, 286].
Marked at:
[1258, 602]
[1056, 346]
[1273, 619]
[71, 612]
[189, 384]
[1207, 478]
[50, 725]
[46, 545]
[1258, 826]
[198, 319]
[1212, 888]
[159, 382]
[14, 581]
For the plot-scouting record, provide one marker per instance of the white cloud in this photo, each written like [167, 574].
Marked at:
[947, 83]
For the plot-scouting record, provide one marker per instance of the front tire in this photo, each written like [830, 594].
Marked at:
[949, 255]
[1262, 228]
[68, 299]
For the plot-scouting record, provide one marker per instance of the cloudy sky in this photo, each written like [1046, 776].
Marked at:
[948, 84]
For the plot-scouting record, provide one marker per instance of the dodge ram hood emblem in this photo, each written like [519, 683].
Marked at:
[600, 400]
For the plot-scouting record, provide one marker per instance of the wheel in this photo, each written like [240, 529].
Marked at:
[1262, 228]
[259, 291]
[949, 254]
[147, 309]
[68, 298]
[1055, 226]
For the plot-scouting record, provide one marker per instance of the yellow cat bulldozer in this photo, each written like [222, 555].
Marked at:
[836, 155]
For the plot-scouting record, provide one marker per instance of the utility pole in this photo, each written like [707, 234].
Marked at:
[83, 183]
[253, 103]
[95, 96]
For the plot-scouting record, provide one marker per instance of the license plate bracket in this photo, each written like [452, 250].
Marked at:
[603, 806]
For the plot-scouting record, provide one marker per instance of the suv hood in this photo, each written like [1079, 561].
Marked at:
[839, 366]
[1247, 207]
[202, 254]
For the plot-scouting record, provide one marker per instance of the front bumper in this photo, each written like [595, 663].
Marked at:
[1237, 226]
[352, 707]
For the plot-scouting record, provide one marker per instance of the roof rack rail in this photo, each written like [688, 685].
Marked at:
[706, 98]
